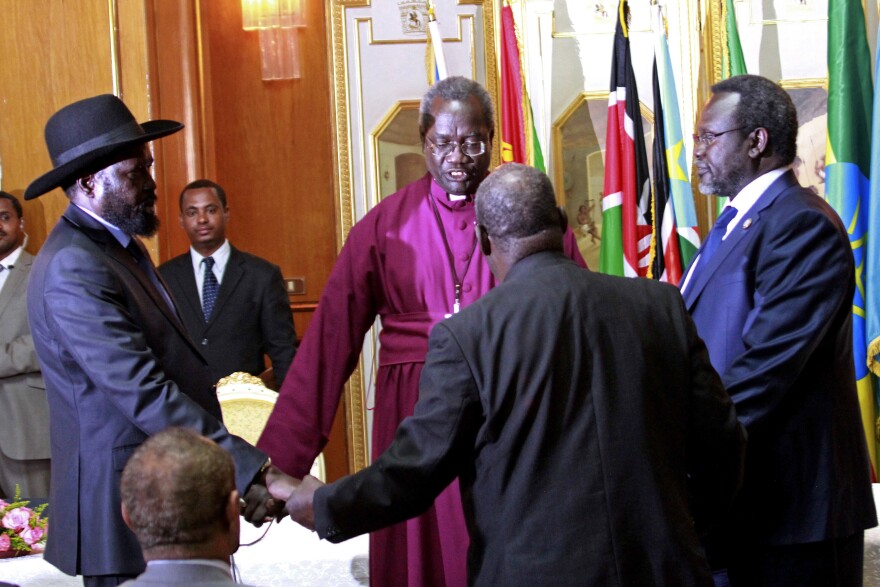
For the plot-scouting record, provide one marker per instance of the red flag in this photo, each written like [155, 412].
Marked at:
[626, 213]
[517, 130]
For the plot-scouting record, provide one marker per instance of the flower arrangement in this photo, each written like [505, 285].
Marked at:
[22, 529]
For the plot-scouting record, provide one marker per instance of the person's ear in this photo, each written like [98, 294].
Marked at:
[233, 520]
[759, 138]
[563, 218]
[485, 243]
[126, 517]
[87, 184]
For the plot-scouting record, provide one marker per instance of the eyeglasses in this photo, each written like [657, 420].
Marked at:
[444, 148]
[707, 138]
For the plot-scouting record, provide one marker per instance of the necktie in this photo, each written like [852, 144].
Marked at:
[210, 287]
[716, 235]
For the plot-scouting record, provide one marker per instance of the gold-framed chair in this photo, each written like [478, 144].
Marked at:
[246, 404]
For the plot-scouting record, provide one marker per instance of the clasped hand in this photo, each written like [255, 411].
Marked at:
[297, 495]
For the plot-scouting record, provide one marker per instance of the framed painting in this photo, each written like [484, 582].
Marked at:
[810, 97]
[579, 172]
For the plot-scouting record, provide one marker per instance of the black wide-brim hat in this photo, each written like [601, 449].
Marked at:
[83, 134]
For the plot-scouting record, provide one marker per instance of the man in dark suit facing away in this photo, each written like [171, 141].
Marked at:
[118, 363]
[771, 293]
[233, 304]
[591, 435]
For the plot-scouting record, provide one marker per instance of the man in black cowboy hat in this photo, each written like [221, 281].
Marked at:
[118, 364]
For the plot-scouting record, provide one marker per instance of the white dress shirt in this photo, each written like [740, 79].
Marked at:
[744, 201]
[220, 256]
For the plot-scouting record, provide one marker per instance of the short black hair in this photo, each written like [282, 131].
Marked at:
[455, 88]
[203, 183]
[517, 201]
[16, 205]
[764, 103]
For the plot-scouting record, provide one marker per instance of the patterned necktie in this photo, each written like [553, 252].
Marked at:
[716, 235]
[210, 287]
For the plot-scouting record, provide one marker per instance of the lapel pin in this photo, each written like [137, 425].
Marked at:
[747, 223]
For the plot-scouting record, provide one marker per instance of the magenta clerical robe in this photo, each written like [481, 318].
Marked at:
[395, 264]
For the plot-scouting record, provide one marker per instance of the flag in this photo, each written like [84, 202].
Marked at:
[847, 169]
[676, 237]
[626, 214]
[732, 61]
[519, 141]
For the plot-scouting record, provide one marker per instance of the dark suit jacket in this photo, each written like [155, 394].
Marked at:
[24, 412]
[774, 306]
[574, 407]
[251, 316]
[119, 367]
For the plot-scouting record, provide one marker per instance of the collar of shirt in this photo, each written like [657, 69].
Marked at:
[449, 200]
[220, 256]
[9, 261]
[747, 197]
[120, 236]
[193, 561]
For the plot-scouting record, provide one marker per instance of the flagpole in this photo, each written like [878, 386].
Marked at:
[436, 42]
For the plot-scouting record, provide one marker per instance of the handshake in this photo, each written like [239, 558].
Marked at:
[279, 494]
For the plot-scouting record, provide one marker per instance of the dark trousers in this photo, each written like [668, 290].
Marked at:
[106, 580]
[830, 563]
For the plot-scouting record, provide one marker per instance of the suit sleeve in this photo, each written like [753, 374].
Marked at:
[803, 278]
[716, 438]
[428, 449]
[93, 320]
[279, 335]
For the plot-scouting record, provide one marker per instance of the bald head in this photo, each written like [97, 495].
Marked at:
[517, 216]
[516, 205]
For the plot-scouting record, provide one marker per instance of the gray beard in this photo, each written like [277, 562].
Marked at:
[136, 220]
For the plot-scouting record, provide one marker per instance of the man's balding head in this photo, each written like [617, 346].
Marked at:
[516, 210]
[179, 497]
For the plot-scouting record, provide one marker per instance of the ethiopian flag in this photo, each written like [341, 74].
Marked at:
[847, 168]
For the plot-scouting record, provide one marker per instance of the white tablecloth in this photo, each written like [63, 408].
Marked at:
[288, 555]
[872, 549]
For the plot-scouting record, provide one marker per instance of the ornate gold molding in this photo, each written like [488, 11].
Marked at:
[355, 410]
